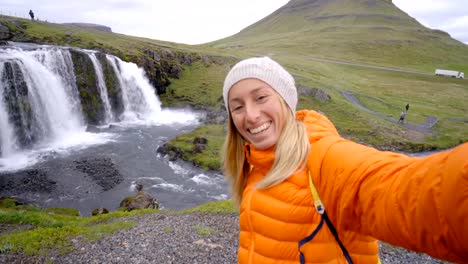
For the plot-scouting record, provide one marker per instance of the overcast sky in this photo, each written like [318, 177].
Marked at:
[201, 21]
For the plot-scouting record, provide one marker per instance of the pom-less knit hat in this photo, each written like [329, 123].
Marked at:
[266, 70]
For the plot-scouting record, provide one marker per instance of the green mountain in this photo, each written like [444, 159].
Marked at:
[371, 31]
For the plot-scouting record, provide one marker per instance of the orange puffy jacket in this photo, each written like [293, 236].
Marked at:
[417, 203]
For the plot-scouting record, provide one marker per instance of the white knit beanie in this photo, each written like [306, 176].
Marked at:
[266, 70]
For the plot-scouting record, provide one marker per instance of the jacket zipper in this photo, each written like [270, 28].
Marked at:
[249, 223]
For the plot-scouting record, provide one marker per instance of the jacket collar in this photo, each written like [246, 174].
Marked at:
[260, 158]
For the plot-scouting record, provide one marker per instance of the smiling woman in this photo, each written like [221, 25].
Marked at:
[254, 113]
[286, 167]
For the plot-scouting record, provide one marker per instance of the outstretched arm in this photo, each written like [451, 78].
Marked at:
[417, 203]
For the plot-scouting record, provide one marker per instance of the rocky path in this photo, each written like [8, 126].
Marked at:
[423, 128]
[175, 238]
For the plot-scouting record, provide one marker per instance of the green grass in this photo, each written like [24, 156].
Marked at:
[223, 206]
[168, 230]
[50, 231]
[209, 159]
[44, 232]
[203, 230]
[198, 86]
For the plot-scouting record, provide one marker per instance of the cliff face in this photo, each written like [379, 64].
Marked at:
[15, 95]
[86, 83]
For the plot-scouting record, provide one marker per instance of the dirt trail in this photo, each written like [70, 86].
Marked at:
[426, 127]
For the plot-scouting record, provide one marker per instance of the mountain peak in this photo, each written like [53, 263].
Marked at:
[365, 30]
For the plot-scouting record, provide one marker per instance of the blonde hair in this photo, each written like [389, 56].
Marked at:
[291, 153]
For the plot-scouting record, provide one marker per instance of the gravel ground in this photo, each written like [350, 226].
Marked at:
[169, 238]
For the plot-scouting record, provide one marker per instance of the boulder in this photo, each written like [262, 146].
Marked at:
[198, 148]
[318, 94]
[171, 151]
[141, 200]
[4, 33]
[200, 140]
[99, 211]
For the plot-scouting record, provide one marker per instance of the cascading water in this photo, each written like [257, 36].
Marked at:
[52, 97]
[102, 88]
[38, 101]
[140, 101]
[7, 139]
[42, 105]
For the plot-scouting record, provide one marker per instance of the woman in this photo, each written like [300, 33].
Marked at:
[307, 195]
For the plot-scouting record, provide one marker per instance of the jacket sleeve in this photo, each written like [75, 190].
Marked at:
[417, 203]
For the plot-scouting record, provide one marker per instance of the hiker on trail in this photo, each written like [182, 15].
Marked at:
[305, 194]
[31, 14]
[407, 107]
[402, 117]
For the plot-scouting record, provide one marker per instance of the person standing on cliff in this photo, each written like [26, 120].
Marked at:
[31, 14]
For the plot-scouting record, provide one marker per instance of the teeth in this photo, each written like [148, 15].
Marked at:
[260, 128]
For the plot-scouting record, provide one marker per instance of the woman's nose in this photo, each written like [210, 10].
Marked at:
[252, 113]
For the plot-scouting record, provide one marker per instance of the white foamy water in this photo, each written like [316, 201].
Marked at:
[203, 179]
[62, 146]
[178, 169]
[220, 197]
[170, 116]
[170, 186]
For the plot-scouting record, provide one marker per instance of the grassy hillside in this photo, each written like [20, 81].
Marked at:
[371, 31]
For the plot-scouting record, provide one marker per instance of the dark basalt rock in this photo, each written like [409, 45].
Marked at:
[171, 151]
[26, 181]
[141, 200]
[101, 170]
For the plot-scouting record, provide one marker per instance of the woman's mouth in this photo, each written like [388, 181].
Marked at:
[260, 129]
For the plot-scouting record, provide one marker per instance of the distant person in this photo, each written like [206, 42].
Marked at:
[307, 195]
[31, 14]
[402, 117]
[407, 107]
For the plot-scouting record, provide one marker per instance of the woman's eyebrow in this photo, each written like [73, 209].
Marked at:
[251, 92]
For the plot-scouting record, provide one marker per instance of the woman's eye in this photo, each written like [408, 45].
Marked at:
[262, 98]
[236, 108]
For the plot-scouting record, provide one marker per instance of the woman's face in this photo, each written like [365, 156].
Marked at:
[257, 112]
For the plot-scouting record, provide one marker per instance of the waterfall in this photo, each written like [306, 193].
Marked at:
[108, 116]
[139, 98]
[7, 138]
[49, 95]
[46, 101]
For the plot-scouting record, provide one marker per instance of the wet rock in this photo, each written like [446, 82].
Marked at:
[171, 151]
[141, 200]
[198, 148]
[99, 211]
[199, 144]
[200, 140]
[216, 116]
[101, 170]
[26, 181]
[4, 33]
